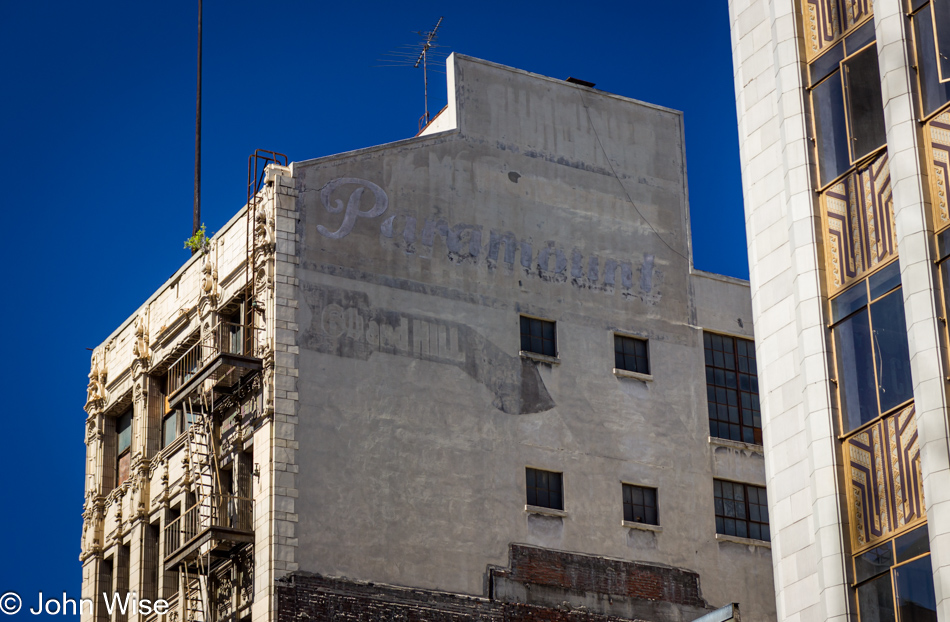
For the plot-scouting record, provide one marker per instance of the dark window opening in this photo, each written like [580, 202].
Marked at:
[933, 92]
[169, 428]
[639, 504]
[732, 389]
[846, 102]
[865, 105]
[631, 354]
[831, 129]
[941, 19]
[174, 424]
[123, 430]
[871, 352]
[741, 510]
[544, 488]
[895, 580]
[538, 336]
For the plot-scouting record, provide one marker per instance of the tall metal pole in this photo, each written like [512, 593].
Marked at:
[425, 81]
[430, 37]
[197, 215]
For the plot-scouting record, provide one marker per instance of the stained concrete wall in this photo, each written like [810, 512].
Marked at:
[417, 416]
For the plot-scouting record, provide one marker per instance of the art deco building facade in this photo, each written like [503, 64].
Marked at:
[468, 375]
[843, 127]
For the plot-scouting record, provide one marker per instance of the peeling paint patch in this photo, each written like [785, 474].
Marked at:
[344, 324]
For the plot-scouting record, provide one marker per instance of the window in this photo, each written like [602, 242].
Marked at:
[630, 354]
[639, 504]
[871, 348]
[169, 428]
[234, 336]
[544, 489]
[943, 252]
[896, 577]
[928, 19]
[174, 423]
[847, 104]
[732, 389]
[123, 431]
[741, 510]
[538, 336]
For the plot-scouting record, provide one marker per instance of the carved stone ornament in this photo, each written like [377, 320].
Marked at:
[264, 229]
[140, 346]
[140, 493]
[96, 391]
[91, 531]
[209, 279]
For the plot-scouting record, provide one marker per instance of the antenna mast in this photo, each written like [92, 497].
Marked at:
[197, 212]
[430, 36]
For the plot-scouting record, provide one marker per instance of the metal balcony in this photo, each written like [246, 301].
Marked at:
[224, 521]
[225, 356]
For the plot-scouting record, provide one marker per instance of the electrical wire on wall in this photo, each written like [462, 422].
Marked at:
[624, 188]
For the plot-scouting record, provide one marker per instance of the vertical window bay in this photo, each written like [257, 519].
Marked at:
[890, 341]
[855, 370]
[865, 105]
[831, 135]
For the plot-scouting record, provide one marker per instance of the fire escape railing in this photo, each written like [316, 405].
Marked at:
[225, 511]
[225, 338]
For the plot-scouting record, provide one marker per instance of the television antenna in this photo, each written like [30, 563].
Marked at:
[411, 55]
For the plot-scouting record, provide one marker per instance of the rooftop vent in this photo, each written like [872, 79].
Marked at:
[589, 85]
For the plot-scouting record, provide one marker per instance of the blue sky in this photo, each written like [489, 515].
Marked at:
[97, 136]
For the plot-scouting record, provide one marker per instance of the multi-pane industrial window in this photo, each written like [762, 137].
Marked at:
[897, 578]
[544, 488]
[741, 510]
[630, 354]
[847, 105]
[871, 348]
[123, 431]
[639, 504]
[732, 389]
[538, 336]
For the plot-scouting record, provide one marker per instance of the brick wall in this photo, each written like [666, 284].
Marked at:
[305, 596]
[589, 573]
[312, 597]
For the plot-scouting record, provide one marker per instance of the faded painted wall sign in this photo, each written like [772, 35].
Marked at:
[344, 324]
[352, 206]
[463, 242]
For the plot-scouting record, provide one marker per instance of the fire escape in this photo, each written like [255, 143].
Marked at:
[210, 545]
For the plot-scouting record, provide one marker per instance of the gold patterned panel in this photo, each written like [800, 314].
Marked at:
[825, 21]
[938, 135]
[886, 486]
[859, 223]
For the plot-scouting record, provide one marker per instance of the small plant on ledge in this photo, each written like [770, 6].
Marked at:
[200, 241]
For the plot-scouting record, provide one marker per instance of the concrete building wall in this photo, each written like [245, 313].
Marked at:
[385, 432]
[417, 413]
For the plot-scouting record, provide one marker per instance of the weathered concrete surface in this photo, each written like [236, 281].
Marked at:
[417, 416]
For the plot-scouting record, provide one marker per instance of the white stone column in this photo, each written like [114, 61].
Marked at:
[783, 226]
[918, 276]
[275, 446]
